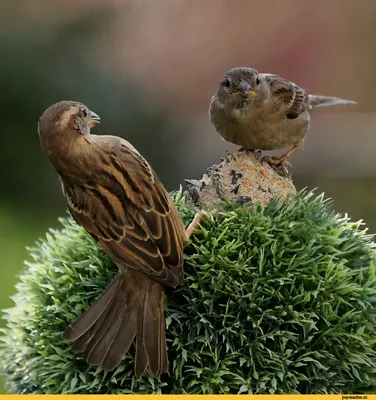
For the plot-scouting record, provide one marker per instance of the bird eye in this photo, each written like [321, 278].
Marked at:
[226, 83]
[84, 112]
[257, 81]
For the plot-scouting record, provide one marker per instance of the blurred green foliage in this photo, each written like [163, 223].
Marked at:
[39, 67]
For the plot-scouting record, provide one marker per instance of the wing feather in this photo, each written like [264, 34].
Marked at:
[295, 99]
[128, 211]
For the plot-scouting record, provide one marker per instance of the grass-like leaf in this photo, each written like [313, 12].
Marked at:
[277, 300]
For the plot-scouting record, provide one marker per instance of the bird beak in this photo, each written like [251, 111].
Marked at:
[94, 119]
[244, 90]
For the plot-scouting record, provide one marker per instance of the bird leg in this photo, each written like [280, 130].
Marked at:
[281, 160]
[196, 221]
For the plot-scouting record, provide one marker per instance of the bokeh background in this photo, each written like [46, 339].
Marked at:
[149, 69]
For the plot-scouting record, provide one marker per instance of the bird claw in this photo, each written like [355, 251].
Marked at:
[251, 152]
[280, 165]
[248, 151]
[197, 220]
[272, 160]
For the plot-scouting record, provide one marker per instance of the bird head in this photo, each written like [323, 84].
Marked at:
[239, 86]
[67, 118]
[64, 127]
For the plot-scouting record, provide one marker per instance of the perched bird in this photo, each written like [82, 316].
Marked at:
[264, 111]
[114, 194]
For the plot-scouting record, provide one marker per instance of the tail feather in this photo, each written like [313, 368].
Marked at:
[120, 345]
[80, 344]
[122, 335]
[325, 101]
[83, 342]
[151, 351]
[101, 340]
[90, 316]
[130, 307]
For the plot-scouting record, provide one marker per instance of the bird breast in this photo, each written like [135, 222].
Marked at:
[259, 129]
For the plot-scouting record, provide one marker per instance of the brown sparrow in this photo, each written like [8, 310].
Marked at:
[264, 111]
[114, 194]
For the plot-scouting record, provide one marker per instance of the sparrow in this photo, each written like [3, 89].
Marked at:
[113, 193]
[264, 111]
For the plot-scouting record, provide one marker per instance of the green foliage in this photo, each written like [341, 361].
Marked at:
[276, 300]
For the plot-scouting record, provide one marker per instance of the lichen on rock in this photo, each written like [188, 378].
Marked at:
[241, 177]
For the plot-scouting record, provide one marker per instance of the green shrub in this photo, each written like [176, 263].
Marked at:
[279, 300]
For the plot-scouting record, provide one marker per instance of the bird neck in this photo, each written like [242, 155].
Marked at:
[71, 157]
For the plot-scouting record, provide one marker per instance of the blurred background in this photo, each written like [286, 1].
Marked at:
[149, 69]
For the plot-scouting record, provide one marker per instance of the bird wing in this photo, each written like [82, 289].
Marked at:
[127, 210]
[293, 99]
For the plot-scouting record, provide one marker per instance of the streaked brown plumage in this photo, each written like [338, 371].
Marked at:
[264, 111]
[114, 194]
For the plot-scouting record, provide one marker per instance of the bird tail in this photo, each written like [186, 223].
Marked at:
[131, 307]
[325, 101]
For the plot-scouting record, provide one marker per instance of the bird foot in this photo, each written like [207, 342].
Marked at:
[197, 219]
[248, 151]
[257, 154]
[280, 165]
[272, 160]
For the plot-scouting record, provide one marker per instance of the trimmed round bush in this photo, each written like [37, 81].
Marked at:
[276, 300]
